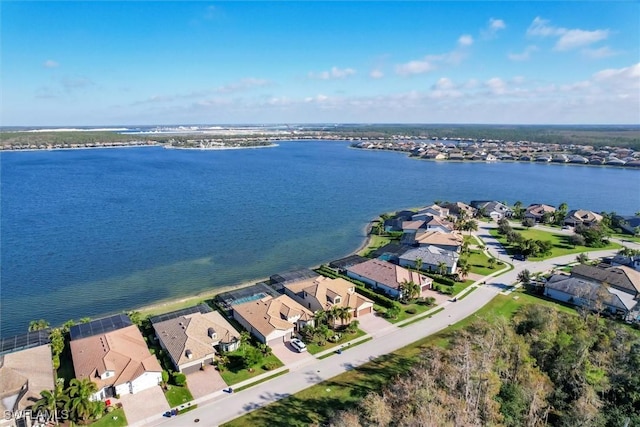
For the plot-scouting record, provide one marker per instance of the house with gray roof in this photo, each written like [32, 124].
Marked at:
[593, 296]
[431, 257]
[492, 209]
[192, 340]
[622, 278]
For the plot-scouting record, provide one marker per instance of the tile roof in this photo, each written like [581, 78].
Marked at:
[122, 351]
[432, 255]
[269, 314]
[435, 237]
[621, 277]
[31, 368]
[388, 274]
[191, 332]
[539, 210]
[324, 287]
[581, 215]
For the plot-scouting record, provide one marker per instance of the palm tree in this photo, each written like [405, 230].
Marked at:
[345, 315]
[470, 226]
[332, 315]
[245, 337]
[492, 262]
[80, 403]
[582, 258]
[38, 325]
[320, 317]
[418, 264]
[464, 269]
[409, 290]
[51, 401]
[442, 268]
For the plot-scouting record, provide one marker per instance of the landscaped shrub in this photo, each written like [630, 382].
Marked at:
[269, 366]
[179, 379]
[411, 310]
[380, 299]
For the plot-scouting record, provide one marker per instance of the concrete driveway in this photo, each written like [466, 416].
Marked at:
[148, 403]
[202, 383]
[287, 354]
[374, 324]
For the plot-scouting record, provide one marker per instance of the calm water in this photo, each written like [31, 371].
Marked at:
[90, 232]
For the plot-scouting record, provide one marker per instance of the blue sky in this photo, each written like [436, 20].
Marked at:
[124, 63]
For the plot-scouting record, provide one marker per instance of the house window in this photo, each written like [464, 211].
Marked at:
[337, 299]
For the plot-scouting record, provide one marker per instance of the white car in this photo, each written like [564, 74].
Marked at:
[298, 345]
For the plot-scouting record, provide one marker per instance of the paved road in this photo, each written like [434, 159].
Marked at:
[225, 407]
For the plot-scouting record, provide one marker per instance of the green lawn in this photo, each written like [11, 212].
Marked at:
[461, 286]
[479, 263]
[235, 372]
[561, 243]
[317, 403]
[176, 395]
[403, 315]
[115, 418]
[314, 348]
[375, 242]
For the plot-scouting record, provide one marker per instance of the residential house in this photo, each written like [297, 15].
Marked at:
[341, 264]
[537, 212]
[630, 224]
[494, 210]
[584, 293]
[430, 212]
[324, 293]
[438, 224]
[582, 217]
[431, 257]
[272, 319]
[457, 208]
[118, 361]
[631, 261]
[622, 278]
[192, 337]
[449, 241]
[25, 370]
[387, 277]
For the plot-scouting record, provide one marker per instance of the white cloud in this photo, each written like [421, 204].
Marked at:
[334, 73]
[599, 53]
[496, 24]
[376, 74]
[496, 85]
[50, 63]
[414, 67]
[429, 63]
[567, 38]
[465, 40]
[524, 55]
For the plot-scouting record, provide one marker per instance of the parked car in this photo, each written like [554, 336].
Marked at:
[520, 257]
[298, 345]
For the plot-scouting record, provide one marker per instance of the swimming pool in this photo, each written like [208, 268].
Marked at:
[249, 298]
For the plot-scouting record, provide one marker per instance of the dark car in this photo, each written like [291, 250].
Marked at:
[520, 257]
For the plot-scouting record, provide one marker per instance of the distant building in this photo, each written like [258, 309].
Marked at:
[387, 277]
[582, 217]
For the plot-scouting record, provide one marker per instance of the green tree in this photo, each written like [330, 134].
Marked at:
[464, 269]
[38, 325]
[51, 401]
[418, 264]
[180, 379]
[409, 290]
[524, 277]
[136, 317]
[528, 222]
[393, 312]
[320, 317]
[492, 263]
[442, 268]
[471, 225]
[80, 404]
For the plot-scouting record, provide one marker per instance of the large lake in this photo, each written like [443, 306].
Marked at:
[91, 232]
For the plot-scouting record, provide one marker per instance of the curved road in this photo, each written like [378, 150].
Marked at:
[223, 407]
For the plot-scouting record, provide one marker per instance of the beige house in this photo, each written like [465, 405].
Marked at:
[118, 362]
[449, 241]
[581, 216]
[191, 339]
[323, 293]
[272, 319]
[537, 212]
[23, 375]
[387, 277]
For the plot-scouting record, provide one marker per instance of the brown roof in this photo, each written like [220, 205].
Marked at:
[388, 274]
[435, 237]
[412, 225]
[324, 290]
[540, 209]
[269, 314]
[31, 368]
[585, 216]
[191, 332]
[621, 277]
[122, 351]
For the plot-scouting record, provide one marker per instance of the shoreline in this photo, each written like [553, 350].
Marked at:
[170, 147]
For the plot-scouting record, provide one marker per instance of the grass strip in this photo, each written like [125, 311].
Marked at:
[270, 377]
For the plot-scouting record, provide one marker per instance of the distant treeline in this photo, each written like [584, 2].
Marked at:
[599, 136]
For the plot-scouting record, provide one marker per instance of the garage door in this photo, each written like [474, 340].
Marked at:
[364, 311]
